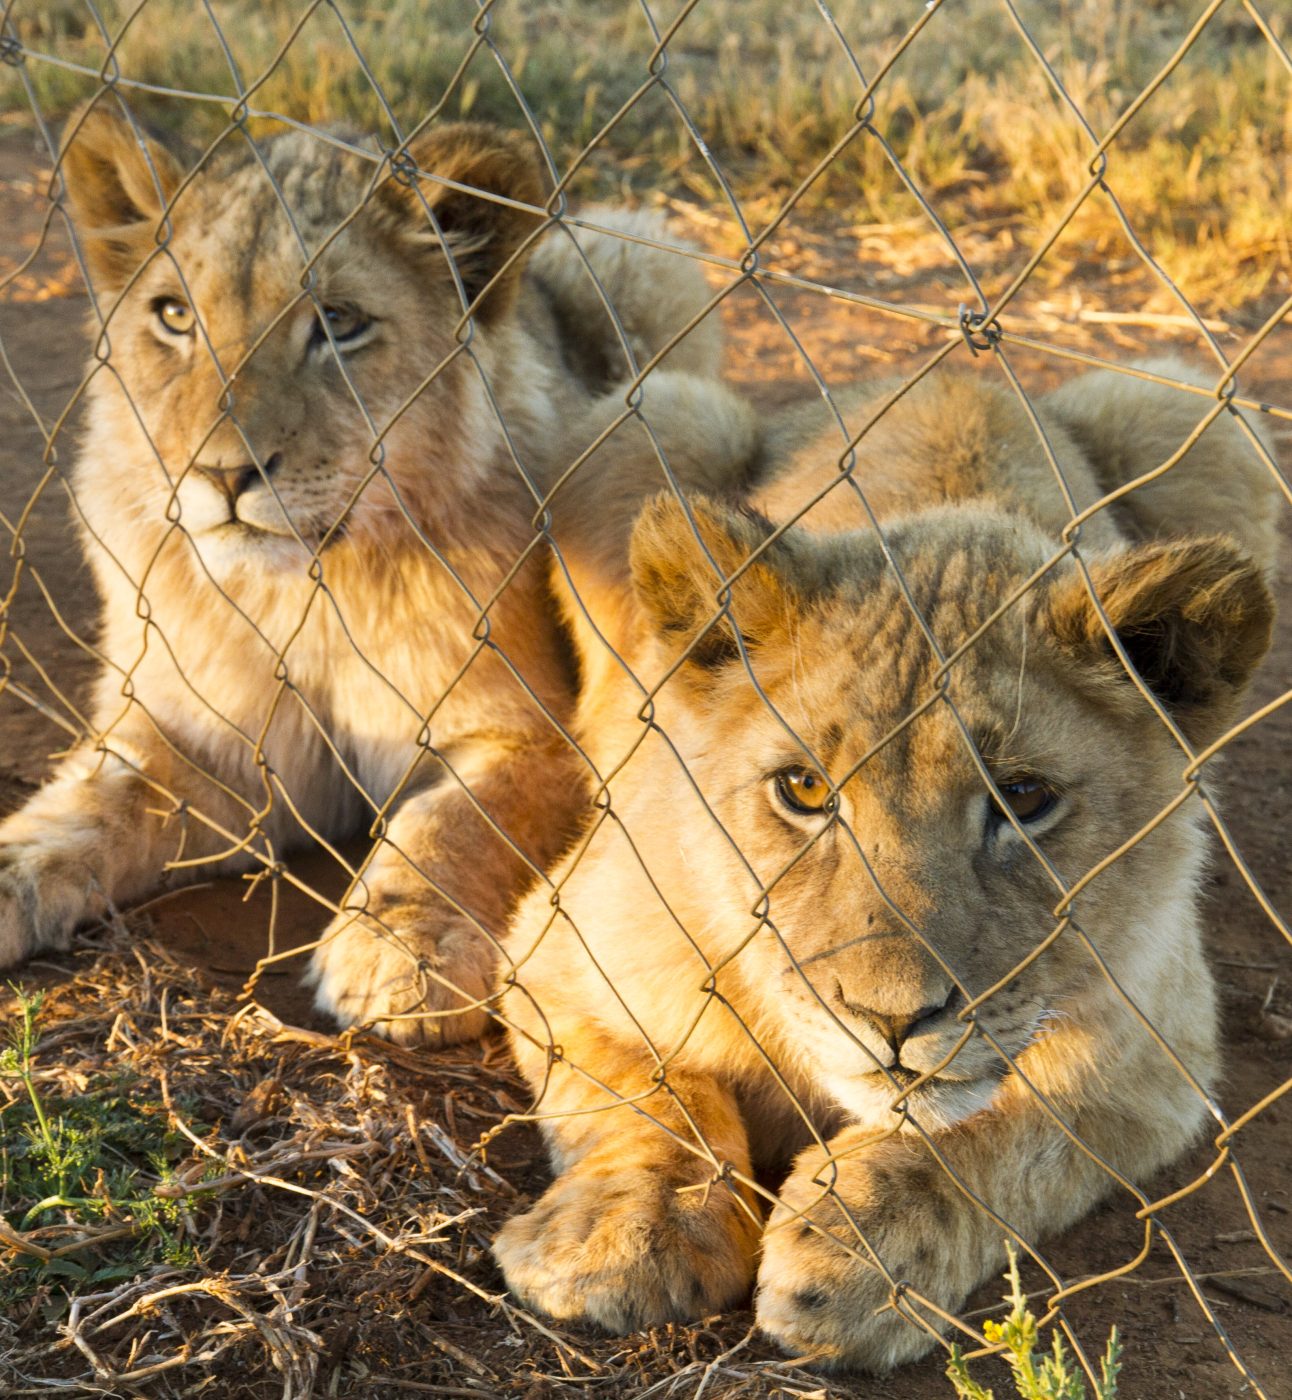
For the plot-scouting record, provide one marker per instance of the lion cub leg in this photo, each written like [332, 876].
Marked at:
[637, 1230]
[870, 1214]
[81, 841]
[100, 833]
[414, 952]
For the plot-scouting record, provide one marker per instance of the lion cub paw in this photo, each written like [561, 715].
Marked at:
[819, 1289]
[366, 976]
[43, 896]
[624, 1247]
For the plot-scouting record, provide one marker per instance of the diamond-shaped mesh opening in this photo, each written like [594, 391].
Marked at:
[832, 769]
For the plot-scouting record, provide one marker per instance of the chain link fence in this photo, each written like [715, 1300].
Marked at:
[380, 676]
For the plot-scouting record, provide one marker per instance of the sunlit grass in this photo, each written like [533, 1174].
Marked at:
[1202, 172]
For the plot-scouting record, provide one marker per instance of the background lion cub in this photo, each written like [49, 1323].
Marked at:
[307, 490]
[773, 946]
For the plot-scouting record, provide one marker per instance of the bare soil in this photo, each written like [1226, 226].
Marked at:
[389, 1328]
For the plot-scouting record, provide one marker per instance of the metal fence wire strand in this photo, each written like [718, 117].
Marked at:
[439, 820]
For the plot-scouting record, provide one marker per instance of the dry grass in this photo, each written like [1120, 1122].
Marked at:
[1202, 172]
[326, 1219]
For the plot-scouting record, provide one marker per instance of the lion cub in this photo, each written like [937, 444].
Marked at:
[308, 489]
[822, 923]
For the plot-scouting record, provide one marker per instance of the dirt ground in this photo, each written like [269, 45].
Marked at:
[1171, 1349]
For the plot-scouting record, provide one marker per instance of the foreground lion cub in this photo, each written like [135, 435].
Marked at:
[769, 945]
[310, 524]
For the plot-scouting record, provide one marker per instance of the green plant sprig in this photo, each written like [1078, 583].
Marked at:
[1036, 1375]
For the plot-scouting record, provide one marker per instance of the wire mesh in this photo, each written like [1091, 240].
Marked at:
[369, 413]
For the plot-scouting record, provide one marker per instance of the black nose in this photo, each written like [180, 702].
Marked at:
[233, 481]
[898, 1027]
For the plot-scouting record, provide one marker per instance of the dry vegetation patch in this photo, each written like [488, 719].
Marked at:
[192, 1192]
[248, 1208]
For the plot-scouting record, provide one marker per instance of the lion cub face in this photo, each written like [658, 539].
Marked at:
[279, 356]
[915, 835]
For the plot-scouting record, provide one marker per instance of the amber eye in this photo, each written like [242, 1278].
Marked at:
[1028, 798]
[347, 324]
[804, 790]
[176, 316]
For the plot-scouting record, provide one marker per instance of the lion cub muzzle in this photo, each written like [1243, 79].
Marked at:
[235, 481]
[889, 991]
[902, 1019]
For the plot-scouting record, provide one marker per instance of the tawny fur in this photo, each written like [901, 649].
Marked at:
[708, 1034]
[652, 309]
[319, 613]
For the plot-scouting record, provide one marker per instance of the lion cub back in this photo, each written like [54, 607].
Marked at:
[953, 438]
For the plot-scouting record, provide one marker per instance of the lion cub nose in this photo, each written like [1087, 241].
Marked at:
[897, 1030]
[897, 1026]
[233, 481]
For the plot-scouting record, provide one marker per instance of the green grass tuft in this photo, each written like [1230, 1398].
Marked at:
[78, 1176]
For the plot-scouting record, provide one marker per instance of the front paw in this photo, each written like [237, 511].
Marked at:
[822, 1292]
[43, 896]
[626, 1248]
[413, 987]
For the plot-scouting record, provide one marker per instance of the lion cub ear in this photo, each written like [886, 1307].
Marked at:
[678, 584]
[482, 235]
[1194, 616]
[119, 182]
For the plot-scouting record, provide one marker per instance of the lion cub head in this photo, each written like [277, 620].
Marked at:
[280, 325]
[915, 792]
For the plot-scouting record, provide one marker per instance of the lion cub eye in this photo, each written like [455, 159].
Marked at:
[176, 316]
[347, 324]
[804, 790]
[1028, 798]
